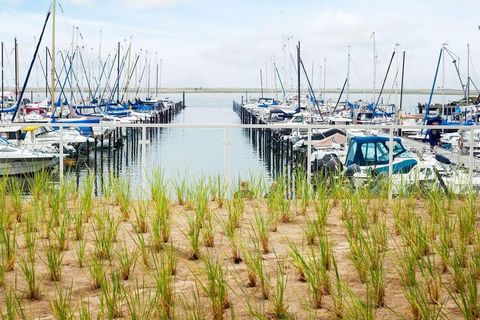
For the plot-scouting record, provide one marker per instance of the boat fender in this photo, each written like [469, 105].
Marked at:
[334, 165]
[442, 159]
[352, 169]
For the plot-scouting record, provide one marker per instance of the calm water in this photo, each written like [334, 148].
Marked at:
[197, 152]
[187, 152]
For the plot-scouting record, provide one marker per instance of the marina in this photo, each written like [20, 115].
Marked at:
[239, 160]
[282, 150]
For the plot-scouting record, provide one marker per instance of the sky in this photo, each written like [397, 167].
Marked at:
[225, 43]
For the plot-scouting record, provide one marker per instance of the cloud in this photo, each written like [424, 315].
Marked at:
[225, 42]
[9, 2]
[80, 2]
[148, 4]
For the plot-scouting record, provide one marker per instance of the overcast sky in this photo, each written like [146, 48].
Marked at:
[224, 43]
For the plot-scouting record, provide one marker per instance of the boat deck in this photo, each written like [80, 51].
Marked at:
[455, 157]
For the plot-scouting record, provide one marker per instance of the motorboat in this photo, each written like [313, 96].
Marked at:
[368, 157]
[17, 161]
[46, 139]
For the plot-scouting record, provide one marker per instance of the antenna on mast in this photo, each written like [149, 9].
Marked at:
[374, 64]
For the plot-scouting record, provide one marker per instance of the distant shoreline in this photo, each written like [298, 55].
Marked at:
[267, 92]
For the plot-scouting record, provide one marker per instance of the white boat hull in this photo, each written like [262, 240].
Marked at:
[26, 166]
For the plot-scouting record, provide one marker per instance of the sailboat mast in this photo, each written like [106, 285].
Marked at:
[281, 84]
[46, 72]
[266, 76]
[100, 69]
[324, 74]
[468, 74]
[298, 75]
[29, 71]
[397, 57]
[385, 79]
[398, 112]
[52, 73]
[347, 93]
[443, 81]
[2, 79]
[160, 76]
[374, 65]
[72, 50]
[128, 71]
[401, 83]
[16, 69]
[118, 73]
[156, 75]
[261, 83]
[275, 80]
[427, 109]
[312, 74]
[149, 74]
[320, 80]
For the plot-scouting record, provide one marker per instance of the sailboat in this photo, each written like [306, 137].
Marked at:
[15, 160]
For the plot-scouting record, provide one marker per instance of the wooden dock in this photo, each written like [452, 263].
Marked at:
[276, 152]
[112, 145]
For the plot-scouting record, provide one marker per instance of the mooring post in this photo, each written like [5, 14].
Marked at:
[470, 159]
[273, 152]
[281, 154]
[309, 156]
[390, 161]
[95, 151]
[270, 147]
[286, 151]
[101, 150]
[260, 137]
[109, 142]
[61, 152]
[291, 158]
[144, 142]
[88, 150]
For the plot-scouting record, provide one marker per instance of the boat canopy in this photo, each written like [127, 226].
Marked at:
[370, 106]
[371, 150]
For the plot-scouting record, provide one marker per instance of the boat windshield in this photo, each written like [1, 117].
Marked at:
[351, 153]
[398, 149]
[3, 142]
[297, 119]
[374, 153]
[44, 130]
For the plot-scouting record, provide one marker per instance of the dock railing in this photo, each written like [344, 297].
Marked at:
[143, 142]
